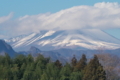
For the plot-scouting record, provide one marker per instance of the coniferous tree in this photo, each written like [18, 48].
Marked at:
[18, 61]
[44, 76]
[81, 63]
[76, 76]
[73, 62]
[29, 59]
[2, 60]
[58, 64]
[7, 74]
[38, 71]
[28, 74]
[52, 71]
[7, 60]
[22, 70]
[42, 61]
[65, 72]
[40, 68]
[94, 70]
[15, 72]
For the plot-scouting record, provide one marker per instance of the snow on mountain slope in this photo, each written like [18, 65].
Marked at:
[75, 39]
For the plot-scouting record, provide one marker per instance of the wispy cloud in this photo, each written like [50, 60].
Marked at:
[101, 16]
[5, 18]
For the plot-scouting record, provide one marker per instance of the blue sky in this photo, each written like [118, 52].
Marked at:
[31, 7]
[19, 8]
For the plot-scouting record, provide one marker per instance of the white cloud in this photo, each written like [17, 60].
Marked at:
[101, 16]
[5, 18]
[107, 5]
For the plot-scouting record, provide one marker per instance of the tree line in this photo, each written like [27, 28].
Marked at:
[40, 68]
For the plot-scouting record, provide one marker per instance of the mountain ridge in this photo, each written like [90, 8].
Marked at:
[6, 48]
[73, 39]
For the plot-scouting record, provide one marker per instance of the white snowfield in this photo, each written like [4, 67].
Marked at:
[85, 38]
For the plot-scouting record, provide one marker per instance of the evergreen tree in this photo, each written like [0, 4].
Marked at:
[22, 70]
[65, 72]
[52, 71]
[38, 71]
[7, 74]
[15, 72]
[81, 63]
[19, 61]
[28, 74]
[7, 60]
[40, 68]
[94, 70]
[29, 59]
[2, 60]
[73, 62]
[58, 64]
[76, 76]
[2, 68]
[44, 77]
[42, 61]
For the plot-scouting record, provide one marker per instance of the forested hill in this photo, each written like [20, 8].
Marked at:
[40, 68]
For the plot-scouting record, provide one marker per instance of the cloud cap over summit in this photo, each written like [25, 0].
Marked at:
[100, 16]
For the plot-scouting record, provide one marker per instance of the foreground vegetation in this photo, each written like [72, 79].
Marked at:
[40, 68]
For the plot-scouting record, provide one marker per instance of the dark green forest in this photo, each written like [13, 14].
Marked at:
[40, 68]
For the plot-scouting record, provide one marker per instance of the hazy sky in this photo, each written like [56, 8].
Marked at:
[19, 17]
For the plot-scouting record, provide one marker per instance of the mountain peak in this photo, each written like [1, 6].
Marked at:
[34, 50]
[73, 39]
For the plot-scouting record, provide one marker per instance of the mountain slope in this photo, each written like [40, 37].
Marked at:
[74, 39]
[6, 48]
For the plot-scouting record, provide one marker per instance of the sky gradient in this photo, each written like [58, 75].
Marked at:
[12, 11]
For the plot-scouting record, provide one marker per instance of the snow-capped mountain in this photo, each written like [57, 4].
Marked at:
[74, 39]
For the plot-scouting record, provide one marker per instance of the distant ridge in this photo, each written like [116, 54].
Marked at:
[6, 48]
